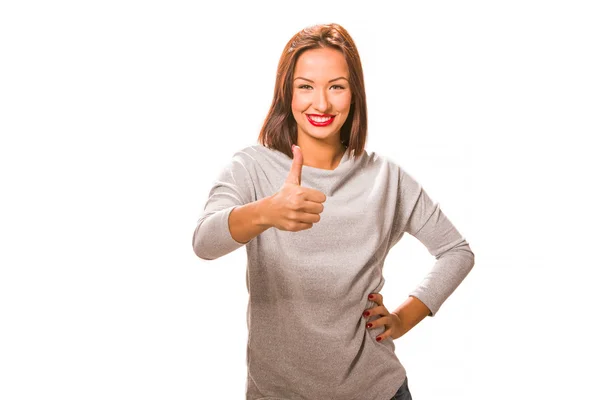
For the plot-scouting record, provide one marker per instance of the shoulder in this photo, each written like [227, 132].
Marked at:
[382, 161]
[256, 152]
[247, 153]
[245, 157]
[395, 170]
[252, 161]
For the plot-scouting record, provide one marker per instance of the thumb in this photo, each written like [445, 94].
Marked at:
[296, 170]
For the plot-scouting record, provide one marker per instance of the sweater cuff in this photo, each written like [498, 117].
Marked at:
[216, 240]
[429, 300]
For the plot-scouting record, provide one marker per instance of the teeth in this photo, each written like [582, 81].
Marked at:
[319, 119]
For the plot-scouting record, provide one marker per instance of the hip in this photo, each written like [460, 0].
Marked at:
[403, 392]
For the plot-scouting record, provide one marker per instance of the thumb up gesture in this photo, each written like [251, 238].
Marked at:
[295, 208]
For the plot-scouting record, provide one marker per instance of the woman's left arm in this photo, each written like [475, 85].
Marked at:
[417, 214]
[423, 218]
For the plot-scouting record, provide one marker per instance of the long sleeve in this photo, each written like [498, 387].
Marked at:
[232, 188]
[423, 218]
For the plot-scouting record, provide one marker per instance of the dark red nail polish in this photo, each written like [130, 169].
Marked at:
[366, 314]
[369, 325]
[370, 296]
[378, 338]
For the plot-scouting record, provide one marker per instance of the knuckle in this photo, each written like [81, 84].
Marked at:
[294, 204]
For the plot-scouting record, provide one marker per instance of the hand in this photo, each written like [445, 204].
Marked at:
[390, 320]
[294, 208]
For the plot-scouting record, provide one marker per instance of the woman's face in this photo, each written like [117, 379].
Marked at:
[318, 91]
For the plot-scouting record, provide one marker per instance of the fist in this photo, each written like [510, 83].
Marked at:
[293, 207]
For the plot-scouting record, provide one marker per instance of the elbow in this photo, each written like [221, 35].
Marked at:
[199, 253]
[471, 251]
[199, 244]
[212, 238]
[464, 252]
[467, 252]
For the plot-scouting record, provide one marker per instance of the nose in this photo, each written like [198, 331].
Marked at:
[320, 100]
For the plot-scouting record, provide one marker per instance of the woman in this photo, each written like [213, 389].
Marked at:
[317, 325]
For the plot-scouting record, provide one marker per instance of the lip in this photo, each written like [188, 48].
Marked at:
[320, 123]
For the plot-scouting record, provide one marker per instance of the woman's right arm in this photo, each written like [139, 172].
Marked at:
[232, 215]
[248, 221]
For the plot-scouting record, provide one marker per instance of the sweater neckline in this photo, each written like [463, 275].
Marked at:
[325, 171]
[324, 180]
[308, 171]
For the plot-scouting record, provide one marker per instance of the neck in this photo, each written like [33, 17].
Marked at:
[321, 155]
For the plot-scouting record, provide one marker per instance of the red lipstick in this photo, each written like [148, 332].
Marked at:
[316, 123]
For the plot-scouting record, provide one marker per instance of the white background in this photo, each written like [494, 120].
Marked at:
[116, 117]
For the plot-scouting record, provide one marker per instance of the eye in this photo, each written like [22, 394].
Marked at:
[308, 86]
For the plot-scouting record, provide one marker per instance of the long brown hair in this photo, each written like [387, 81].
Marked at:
[280, 129]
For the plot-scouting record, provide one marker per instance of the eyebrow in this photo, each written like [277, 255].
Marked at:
[341, 77]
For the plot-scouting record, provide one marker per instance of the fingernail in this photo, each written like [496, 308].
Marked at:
[378, 338]
[366, 314]
[369, 325]
[371, 296]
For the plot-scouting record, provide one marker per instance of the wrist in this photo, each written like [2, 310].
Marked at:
[410, 313]
[262, 213]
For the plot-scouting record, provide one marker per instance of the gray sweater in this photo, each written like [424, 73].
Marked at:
[307, 338]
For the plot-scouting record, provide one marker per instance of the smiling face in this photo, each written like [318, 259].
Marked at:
[321, 88]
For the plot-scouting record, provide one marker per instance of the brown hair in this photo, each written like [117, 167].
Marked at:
[280, 129]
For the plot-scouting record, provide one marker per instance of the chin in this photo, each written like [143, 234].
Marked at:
[322, 134]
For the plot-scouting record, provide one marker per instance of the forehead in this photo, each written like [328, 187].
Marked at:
[324, 63]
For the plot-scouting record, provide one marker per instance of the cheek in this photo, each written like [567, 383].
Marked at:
[343, 103]
[298, 104]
